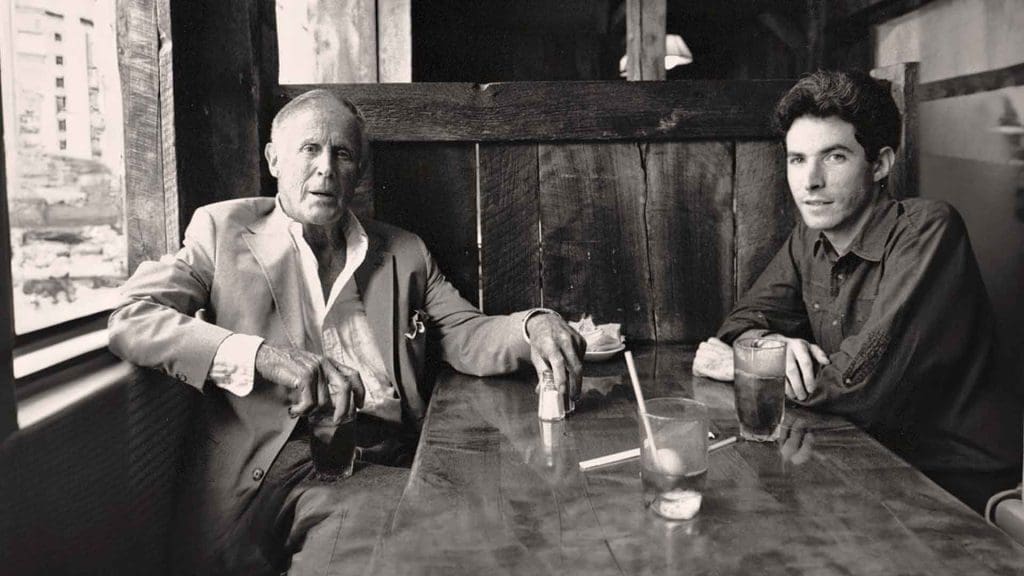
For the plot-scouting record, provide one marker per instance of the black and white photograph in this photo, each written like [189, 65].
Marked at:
[512, 287]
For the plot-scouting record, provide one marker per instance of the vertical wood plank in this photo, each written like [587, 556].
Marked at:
[690, 222]
[817, 18]
[594, 240]
[903, 179]
[509, 227]
[764, 210]
[169, 159]
[145, 208]
[430, 189]
[394, 36]
[645, 39]
[215, 102]
[8, 409]
[327, 41]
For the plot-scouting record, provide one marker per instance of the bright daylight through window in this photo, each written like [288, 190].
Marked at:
[64, 148]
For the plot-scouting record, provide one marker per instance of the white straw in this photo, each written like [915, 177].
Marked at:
[635, 453]
[640, 401]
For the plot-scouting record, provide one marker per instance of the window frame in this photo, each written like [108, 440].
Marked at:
[151, 202]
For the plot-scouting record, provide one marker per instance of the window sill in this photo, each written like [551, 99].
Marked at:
[54, 400]
[28, 363]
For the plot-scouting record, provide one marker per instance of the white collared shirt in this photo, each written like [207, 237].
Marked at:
[234, 364]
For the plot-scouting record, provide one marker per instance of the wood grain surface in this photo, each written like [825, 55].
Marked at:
[489, 495]
[764, 211]
[510, 256]
[594, 236]
[430, 189]
[548, 111]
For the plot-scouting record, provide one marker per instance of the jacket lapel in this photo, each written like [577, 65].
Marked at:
[376, 282]
[278, 260]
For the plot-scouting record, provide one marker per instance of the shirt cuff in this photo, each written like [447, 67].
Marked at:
[530, 314]
[234, 365]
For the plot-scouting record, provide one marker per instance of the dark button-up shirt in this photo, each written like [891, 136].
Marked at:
[909, 331]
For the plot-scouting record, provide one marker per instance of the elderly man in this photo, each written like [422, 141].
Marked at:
[880, 301]
[289, 312]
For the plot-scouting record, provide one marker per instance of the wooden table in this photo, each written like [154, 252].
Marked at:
[486, 496]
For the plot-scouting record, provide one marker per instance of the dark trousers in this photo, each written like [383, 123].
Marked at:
[975, 488]
[301, 523]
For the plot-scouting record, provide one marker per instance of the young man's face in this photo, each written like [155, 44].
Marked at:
[829, 175]
[315, 159]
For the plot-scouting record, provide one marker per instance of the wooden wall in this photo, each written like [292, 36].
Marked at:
[648, 204]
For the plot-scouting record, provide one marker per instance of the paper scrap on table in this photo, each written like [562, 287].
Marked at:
[599, 337]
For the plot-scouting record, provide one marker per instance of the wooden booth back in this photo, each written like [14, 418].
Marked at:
[650, 204]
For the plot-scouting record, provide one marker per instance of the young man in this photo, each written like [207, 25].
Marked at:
[308, 312]
[880, 301]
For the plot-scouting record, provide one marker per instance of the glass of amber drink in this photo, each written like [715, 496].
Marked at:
[760, 387]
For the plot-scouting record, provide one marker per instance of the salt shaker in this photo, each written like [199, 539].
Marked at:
[550, 403]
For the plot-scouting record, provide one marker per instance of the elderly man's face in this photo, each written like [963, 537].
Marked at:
[315, 158]
[829, 175]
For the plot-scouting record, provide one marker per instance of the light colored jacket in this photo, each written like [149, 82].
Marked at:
[242, 269]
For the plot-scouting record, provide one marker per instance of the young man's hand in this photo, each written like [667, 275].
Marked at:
[714, 360]
[801, 357]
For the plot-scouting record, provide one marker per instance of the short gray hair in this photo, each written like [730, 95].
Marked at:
[318, 96]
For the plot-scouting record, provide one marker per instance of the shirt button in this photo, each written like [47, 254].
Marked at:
[816, 306]
[835, 322]
[257, 474]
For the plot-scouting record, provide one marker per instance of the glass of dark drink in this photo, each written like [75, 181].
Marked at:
[760, 387]
[333, 448]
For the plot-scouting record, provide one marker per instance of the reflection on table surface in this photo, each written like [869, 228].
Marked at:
[493, 490]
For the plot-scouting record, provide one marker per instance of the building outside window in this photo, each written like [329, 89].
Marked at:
[65, 179]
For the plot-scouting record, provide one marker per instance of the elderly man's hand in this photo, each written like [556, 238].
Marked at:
[713, 360]
[555, 346]
[801, 356]
[320, 387]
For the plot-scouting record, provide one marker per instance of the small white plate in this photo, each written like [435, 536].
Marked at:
[602, 355]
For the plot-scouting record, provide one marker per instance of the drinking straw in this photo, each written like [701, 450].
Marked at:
[640, 402]
[635, 453]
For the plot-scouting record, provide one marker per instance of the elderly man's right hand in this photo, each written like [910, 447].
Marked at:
[318, 386]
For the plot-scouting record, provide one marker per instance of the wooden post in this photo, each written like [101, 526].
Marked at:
[394, 40]
[8, 409]
[322, 41]
[903, 179]
[817, 16]
[645, 39]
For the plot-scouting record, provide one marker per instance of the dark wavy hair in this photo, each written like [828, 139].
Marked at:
[851, 96]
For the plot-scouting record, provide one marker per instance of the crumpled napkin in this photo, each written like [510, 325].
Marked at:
[599, 337]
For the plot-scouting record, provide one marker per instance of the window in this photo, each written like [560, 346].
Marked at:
[65, 202]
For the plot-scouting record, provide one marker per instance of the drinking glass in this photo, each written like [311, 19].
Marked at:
[674, 463]
[333, 448]
[760, 387]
